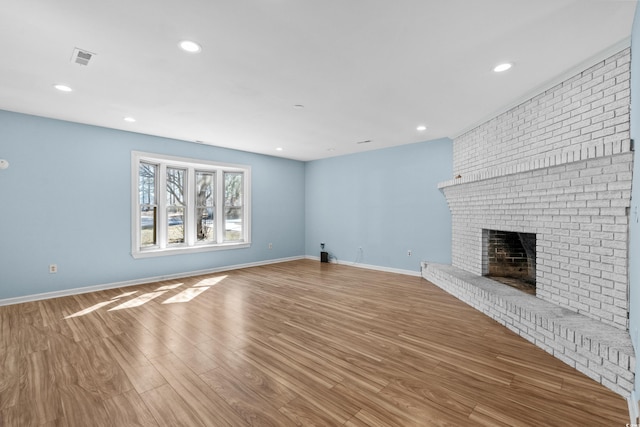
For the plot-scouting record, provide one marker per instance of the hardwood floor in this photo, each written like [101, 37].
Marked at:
[297, 343]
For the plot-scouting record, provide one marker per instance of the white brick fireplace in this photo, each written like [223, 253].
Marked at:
[558, 166]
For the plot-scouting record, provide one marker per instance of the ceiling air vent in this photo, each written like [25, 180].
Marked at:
[81, 56]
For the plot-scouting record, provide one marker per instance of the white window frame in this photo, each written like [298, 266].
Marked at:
[191, 245]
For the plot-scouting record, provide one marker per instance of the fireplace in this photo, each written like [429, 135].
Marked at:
[558, 166]
[511, 258]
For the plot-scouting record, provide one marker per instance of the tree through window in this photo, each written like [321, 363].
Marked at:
[188, 205]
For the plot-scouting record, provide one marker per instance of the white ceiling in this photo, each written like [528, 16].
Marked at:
[363, 69]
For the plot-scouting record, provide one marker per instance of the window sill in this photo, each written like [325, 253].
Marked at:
[180, 250]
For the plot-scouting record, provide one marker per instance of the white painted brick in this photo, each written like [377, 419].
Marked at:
[577, 358]
[604, 373]
[624, 387]
[558, 165]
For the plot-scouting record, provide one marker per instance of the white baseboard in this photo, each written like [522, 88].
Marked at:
[632, 401]
[370, 267]
[84, 290]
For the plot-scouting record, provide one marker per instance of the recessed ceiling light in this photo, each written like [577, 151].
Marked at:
[279, 149]
[190, 46]
[63, 88]
[502, 67]
[129, 119]
[421, 128]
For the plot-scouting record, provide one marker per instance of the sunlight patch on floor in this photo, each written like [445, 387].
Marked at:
[89, 310]
[210, 281]
[186, 295]
[138, 301]
[124, 295]
[169, 287]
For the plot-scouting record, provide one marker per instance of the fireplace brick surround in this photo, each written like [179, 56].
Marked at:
[559, 165]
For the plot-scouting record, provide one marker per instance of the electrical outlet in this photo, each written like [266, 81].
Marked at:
[409, 252]
[270, 245]
[53, 268]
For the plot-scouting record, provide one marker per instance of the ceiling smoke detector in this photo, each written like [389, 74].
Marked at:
[81, 56]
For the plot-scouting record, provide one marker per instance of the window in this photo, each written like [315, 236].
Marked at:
[233, 206]
[186, 205]
[205, 207]
[175, 205]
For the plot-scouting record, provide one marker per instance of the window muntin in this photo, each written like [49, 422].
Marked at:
[203, 205]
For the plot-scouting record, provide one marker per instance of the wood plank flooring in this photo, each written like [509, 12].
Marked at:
[297, 343]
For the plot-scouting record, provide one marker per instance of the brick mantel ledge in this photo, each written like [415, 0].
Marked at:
[550, 159]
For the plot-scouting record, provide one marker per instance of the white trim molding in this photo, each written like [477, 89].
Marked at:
[115, 285]
[370, 267]
[633, 403]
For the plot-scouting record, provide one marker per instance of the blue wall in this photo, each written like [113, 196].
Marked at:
[385, 201]
[65, 199]
[634, 218]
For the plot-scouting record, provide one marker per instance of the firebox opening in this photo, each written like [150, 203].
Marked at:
[511, 259]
